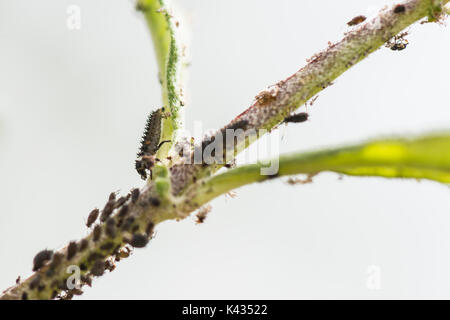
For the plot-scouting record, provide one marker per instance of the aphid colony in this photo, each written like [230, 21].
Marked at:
[105, 233]
[109, 248]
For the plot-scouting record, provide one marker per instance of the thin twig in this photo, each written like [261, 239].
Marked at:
[162, 198]
[271, 106]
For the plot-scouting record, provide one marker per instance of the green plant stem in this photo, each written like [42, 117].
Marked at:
[169, 55]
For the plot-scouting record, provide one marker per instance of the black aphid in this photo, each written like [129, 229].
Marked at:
[107, 246]
[24, 296]
[297, 118]
[399, 8]
[50, 272]
[112, 196]
[95, 256]
[110, 229]
[123, 211]
[135, 195]
[72, 250]
[139, 240]
[154, 201]
[221, 138]
[92, 217]
[240, 124]
[87, 280]
[107, 210]
[35, 282]
[121, 201]
[128, 223]
[56, 260]
[41, 258]
[98, 268]
[77, 292]
[97, 233]
[84, 244]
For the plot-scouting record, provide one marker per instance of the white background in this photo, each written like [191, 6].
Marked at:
[73, 105]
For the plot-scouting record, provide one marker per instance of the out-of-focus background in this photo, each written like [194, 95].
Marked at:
[73, 105]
